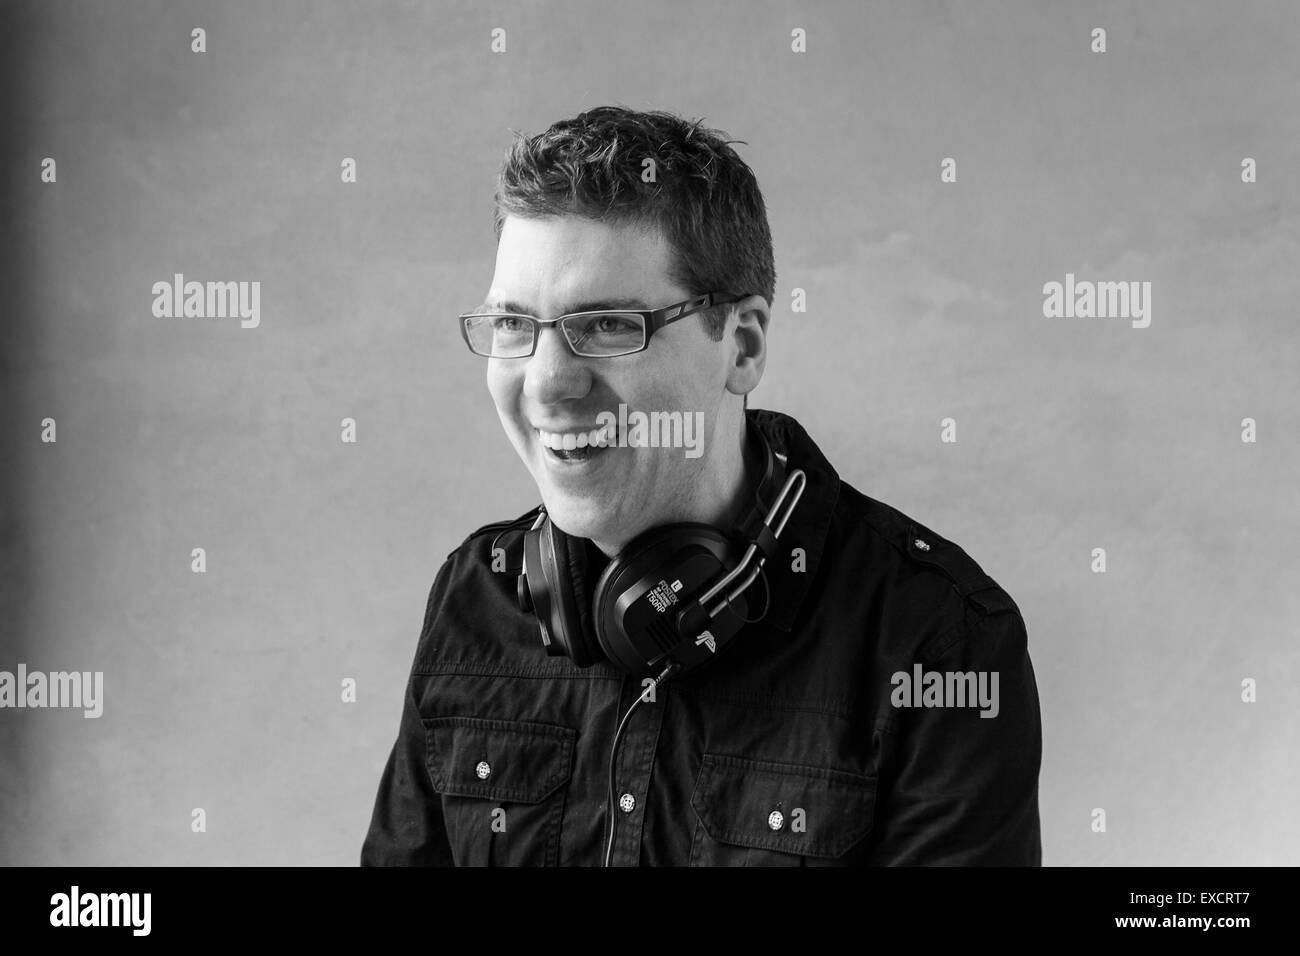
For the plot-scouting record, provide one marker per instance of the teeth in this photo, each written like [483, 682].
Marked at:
[601, 437]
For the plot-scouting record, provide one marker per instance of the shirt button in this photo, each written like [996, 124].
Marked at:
[775, 820]
[627, 803]
[921, 545]
[484, 769]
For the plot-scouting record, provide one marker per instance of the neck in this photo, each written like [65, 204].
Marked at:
[732, 490]
[745, 486]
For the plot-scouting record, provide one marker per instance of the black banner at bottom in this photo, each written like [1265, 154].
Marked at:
[333, 906]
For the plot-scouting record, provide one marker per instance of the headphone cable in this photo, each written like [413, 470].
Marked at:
[613, 752]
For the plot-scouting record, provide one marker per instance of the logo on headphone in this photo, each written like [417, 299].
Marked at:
[664, 595]
[707, 638]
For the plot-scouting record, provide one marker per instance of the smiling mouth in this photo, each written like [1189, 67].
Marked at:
[576, 446]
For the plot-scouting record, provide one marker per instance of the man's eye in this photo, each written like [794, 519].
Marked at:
[507, 323]
[610, 324]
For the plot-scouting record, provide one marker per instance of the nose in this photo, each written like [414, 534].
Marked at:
[554, 373]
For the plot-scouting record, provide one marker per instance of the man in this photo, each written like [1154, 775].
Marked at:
[880, 709]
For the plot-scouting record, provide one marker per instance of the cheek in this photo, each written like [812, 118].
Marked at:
[694, 386]
[701, 369]
[504, 390]
[678, 377]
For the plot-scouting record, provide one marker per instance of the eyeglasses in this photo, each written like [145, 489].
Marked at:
[602, 334]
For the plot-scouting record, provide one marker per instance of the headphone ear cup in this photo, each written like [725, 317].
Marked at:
[687, 552]
[571, 608]
[614, 641]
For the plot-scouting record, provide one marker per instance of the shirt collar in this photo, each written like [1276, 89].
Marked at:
[789, 576]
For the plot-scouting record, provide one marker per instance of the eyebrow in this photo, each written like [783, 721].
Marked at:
[595, 305]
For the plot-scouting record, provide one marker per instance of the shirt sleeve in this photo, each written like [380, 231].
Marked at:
[406, 826]
[957, 788]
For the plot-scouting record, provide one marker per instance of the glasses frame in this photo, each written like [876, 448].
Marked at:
[654, 319]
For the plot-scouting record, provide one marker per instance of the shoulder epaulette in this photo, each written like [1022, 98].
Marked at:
[498, 526]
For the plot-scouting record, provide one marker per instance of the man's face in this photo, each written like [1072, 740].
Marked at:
[548, 267]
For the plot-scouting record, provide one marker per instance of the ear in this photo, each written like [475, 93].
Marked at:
[750, 339]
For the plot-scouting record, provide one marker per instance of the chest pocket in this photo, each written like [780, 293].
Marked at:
[503, 784]
[759, 813]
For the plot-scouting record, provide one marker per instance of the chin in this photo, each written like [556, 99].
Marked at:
[578, 519]
[582, 519]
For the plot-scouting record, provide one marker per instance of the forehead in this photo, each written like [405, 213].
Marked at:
[567, 263]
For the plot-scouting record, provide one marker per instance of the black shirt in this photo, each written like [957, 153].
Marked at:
[814, 739]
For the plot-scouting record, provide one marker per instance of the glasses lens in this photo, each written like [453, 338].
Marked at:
[605, 333]
[499, 335]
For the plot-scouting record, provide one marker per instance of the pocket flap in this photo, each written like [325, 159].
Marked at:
[507, 760]
[823, 812]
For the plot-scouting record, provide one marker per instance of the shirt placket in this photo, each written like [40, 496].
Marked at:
[633, 768]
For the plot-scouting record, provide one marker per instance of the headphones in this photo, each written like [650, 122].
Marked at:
[674, 596]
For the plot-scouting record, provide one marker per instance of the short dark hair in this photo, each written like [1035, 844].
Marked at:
[705, 200]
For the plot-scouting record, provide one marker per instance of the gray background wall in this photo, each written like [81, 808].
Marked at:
[924, 301]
